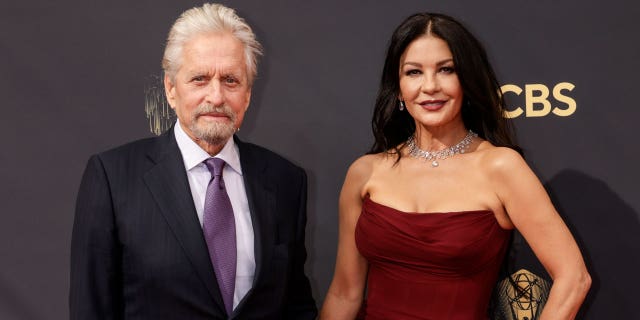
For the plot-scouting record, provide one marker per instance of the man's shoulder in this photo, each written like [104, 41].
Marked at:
[253, 152]
[135, 149]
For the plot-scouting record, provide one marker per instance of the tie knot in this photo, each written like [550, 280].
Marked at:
[215, 166]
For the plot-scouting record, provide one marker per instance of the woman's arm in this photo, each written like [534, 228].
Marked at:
[530, 210]
[346, 292]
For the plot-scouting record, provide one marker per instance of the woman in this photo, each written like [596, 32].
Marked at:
[425, 217]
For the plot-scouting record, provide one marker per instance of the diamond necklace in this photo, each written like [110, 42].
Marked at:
[434, 156]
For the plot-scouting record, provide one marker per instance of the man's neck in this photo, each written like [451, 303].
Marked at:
[211, 149]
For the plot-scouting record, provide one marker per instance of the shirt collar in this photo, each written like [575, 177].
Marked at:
[193, 155]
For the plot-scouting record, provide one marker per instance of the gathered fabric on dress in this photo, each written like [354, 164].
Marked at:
[429, 265]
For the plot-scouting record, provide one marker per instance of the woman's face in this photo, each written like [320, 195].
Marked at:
[429, 85]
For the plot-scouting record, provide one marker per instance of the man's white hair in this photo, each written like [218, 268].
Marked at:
[210, 18]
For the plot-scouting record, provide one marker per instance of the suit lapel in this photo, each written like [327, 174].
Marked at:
[167, 182]
[261, 196]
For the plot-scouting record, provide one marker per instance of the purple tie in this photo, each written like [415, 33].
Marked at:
[220, 232]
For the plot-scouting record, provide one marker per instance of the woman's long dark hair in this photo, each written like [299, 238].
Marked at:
[482, 105]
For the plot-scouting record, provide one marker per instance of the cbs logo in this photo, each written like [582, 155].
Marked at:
[536, 99]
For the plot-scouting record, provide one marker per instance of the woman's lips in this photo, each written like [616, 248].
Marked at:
[432, 105]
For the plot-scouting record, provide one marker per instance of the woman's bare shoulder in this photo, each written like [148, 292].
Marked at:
[500, 159]
[366, 164]
[362, 169]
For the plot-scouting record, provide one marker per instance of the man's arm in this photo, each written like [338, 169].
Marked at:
[300, 302]
[95, 290]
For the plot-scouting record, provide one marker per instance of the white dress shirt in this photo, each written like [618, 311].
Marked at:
[199, 177]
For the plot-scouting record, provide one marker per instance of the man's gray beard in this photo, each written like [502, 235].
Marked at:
[213, 133]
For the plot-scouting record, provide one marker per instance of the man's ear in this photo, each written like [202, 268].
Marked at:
[170, 91]
[248, 99]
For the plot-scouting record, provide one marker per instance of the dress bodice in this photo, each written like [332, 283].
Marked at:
[429, 265]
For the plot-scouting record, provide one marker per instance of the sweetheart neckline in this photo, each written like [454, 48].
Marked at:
[438, 213]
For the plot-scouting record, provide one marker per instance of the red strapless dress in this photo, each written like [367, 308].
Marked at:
[430, 265]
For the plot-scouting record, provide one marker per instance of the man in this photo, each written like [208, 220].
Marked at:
[194, 224]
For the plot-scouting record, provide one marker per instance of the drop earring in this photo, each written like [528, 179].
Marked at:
[401, 105]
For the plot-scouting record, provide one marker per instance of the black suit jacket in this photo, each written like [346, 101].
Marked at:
[138, 251]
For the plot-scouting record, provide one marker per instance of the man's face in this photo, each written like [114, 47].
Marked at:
[211, 89]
